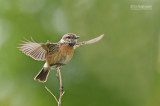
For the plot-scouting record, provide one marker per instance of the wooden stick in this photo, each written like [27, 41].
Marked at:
[60, 88]
[52, 94]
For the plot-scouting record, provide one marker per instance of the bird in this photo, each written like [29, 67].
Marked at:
[54, 54]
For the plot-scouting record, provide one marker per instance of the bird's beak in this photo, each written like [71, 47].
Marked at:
[77, 37]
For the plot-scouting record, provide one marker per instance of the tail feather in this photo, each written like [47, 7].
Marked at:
[42, 75]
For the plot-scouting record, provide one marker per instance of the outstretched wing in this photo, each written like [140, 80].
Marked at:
[88, 42]
[36, 50]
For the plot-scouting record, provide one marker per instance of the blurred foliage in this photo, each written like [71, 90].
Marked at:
[123, 69]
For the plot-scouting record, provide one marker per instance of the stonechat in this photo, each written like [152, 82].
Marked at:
[55, 54]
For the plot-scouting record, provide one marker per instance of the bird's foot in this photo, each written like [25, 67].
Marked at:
[61, 89]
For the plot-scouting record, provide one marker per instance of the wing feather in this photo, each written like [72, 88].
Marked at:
[36, 50]
[89, 42]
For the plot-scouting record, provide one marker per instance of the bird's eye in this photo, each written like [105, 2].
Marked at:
[68, 37]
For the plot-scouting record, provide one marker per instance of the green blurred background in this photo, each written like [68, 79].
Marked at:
[123, 69]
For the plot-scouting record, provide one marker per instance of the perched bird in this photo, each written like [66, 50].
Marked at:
[55, 54]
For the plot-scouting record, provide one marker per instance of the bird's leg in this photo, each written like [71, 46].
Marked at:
[57, 65]
[58, 75]
[61, 88]
[59, 80]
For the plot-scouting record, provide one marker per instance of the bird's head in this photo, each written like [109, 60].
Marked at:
[70, 39]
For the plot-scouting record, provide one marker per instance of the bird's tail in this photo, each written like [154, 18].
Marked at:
[42, 75]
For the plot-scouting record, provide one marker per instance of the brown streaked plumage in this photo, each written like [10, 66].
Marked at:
[54, 54]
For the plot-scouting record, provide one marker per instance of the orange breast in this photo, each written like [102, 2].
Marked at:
[66, 50]
[63, 55]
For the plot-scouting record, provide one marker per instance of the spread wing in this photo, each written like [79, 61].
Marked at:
[36, 50]
[88, 42]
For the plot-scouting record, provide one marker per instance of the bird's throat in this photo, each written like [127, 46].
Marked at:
[71, 44]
